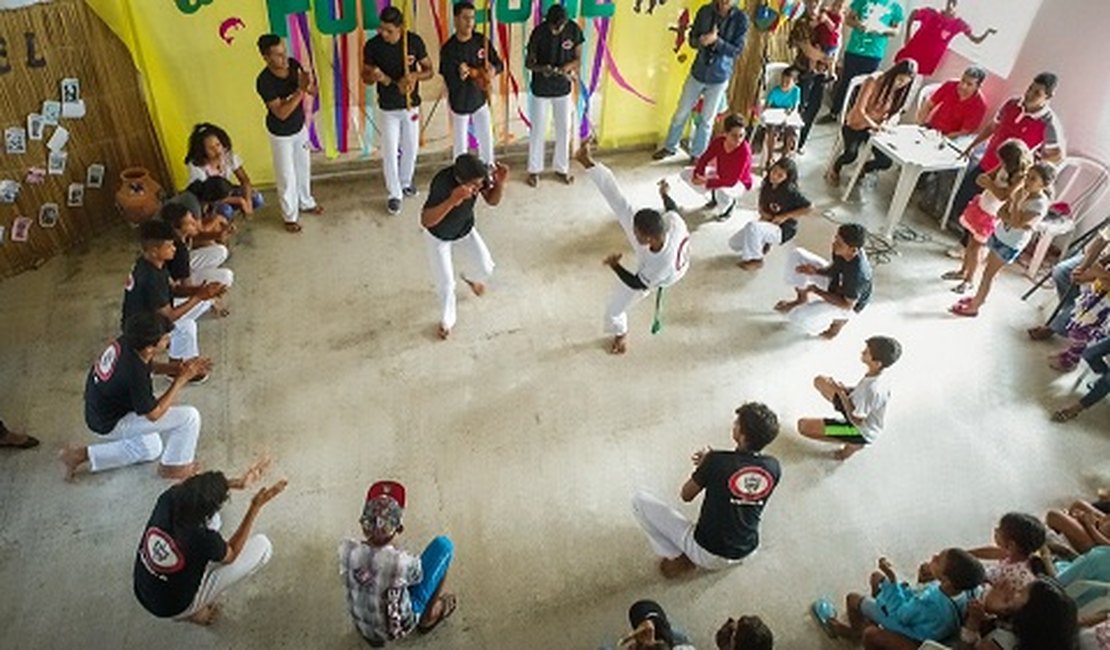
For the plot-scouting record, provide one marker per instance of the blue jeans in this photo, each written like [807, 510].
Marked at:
[1065, 289]
[1093, 565]
[711, 95]
[1095, 356]
[434, 561]
[227, 211]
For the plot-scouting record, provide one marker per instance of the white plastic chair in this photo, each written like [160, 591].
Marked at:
[923, 97]
[771, 74]
[849, 100]
[1081, 183]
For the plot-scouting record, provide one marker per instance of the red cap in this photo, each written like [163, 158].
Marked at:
[391, 489]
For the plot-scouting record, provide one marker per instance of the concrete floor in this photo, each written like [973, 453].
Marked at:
[520, 437]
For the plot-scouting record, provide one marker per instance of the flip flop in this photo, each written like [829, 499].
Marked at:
[292, 226]
[450, 602]
[29, 443]
[962, 309]
[952, 275]
[1065, 415]
[824, 612]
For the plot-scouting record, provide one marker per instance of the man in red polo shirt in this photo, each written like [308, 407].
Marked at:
[956, 109]
[1028, 118]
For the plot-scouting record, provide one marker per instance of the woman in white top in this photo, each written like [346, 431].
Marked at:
[210, 154]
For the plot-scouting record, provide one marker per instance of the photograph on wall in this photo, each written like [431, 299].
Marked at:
[71, 90]
[73, 110]
[9, 191]
[75, 195]
[15, 140]
[94, 176]
[51, 111]
[34, 126]
[48, 215]
[2, 229]
[58, 139]
[35, 176]
[21, 229]
[56, 163]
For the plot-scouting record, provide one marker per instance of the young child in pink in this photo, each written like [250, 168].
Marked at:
[830, 19]
[1018, 538]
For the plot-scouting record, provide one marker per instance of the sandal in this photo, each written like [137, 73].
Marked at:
[963, 309]
[566, 178]
[962, 287]
[449, 604]
[824, 612]
[29, 442]
[1067, 414]
[292, 226]
[953, 275]
[532, 180]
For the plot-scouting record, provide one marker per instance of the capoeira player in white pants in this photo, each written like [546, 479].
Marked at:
[660, 240]
[448, 219]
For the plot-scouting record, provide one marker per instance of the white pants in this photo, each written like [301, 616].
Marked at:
[292, 173]
[443, 270]
[724, 196]
[218, 577]
[671, 534]
[135, 439]
[483, 132]
[400, 133]
[561, 107]
[623, 298]
[814, 316]
[183, 338]
[204, 263]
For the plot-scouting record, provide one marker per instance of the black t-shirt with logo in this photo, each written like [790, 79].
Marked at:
[737, 485]
[464, 95]
[554, 50]
[380, 54]
[781, 198]
[271, 87]
[179, 266]
[851, 279]
[147, 289]
[460, 220]
[171, 559]
[118, 384]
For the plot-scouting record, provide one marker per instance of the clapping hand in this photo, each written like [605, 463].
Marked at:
[195, 367]
[210, 290]
[265, 495]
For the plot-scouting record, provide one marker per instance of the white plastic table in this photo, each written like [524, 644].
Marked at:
[781, 117]
[916, 150]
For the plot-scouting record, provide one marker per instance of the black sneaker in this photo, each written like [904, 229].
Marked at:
[711, 204]
[393, 206]
[662, 153]
[410, 191]
[726, 213]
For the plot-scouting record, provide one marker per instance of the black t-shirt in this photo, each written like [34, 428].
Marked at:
[147, 289]
[780, 199]
[555, 50]
[171, 559]
[271, 87]
[118, 384]
[737, 485]
[465, 96]
[387, 58]
[851, 279]
[179, 265]
[460, 220]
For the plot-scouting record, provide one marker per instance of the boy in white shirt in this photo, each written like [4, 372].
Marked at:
[660, 240]
[863, 407]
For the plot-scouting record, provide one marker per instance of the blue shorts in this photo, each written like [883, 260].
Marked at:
[434, 561]
[227, 211]
[1004, 252]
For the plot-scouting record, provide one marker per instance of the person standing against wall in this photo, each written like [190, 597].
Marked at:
[468, 64]
[554, 51]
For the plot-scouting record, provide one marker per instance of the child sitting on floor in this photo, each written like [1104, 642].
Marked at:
[863, 408]
[981, 215]
[1090, 319]
[1018, 538]
[1025, 209]
[780, 205]
[210, 155]
[931, 611]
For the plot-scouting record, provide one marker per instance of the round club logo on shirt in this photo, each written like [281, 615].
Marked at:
[160, 552]
[751, 484]
[410, 60]
[568, 44]
[482, 53]
[682, 258]
[106, 364]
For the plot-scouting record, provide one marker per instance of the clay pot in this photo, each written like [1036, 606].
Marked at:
[138, 197]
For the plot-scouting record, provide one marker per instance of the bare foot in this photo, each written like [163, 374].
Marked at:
[786, 305]
[1040, 333]
[178, 472]
[292, 226]
[846, 452]
[532, 180]
[567, 179]
[73, 457]
[583, 156]
[476, 287]
[317, 210]
[833, 330]
[1068, 413]
[443, 332]
[677, 567]
[619, 346]
[206, 615]
[15, 440]
[751, 265]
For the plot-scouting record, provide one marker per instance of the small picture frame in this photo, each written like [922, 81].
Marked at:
[2, 231]
[71, 90]
[56, 163]
[35, 176]
[15, 140]
[48, 215]
[94, 176]
[75, 195]
[9, 191]
[21, 229]
[35, 126]
[51, 111]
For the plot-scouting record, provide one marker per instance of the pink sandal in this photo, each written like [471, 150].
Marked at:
[963, 308]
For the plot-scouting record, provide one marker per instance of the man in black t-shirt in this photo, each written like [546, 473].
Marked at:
[736, 483]
[283, 85]
[149, 289]
[192, 266]
[554, 50]
[842, 287]
[468, 64]
[398, 78]
[448, 218]
[120, 406]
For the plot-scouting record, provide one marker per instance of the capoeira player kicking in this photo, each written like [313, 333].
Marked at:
[660, 240]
